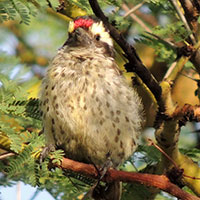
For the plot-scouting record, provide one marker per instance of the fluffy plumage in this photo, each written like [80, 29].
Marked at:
[89, 110]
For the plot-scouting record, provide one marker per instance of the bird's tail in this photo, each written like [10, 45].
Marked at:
[112, 191]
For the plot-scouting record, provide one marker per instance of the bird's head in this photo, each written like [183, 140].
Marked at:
[89, 33]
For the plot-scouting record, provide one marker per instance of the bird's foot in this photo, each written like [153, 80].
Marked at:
[103, 170]
[98, 191]
[45, 151]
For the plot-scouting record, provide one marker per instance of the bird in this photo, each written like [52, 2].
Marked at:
[89, 109]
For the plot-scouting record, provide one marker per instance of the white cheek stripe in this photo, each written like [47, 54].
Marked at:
[98, 28]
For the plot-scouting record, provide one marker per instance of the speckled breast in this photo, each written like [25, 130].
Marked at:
[89, 110]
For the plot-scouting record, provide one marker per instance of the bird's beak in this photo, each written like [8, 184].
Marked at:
[79, 37]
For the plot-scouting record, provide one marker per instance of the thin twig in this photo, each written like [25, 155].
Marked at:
[169, 158]
[160, 149]
[6, 155]
[176, 68]
[182, 17]
[35, 194]
[173, 46]
[170, 70]
[134, 8]
[136, 18]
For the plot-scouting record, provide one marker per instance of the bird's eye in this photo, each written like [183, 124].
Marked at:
[97, 37]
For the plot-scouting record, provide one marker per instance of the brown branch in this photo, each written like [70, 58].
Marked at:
[135, 64]
[151, 180]
[183, 19]
[6, 155]
[133, 9]
[191, 13]
[147, 18]
[187, 113]
[135, 18]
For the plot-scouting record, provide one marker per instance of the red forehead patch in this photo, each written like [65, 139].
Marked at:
[81, 22]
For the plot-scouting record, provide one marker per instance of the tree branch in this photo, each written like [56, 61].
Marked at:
[135, 18]
[135, 64]
[183, 19]
[191, 13]
[187, 113]
[134, 8]
[158, 181]
[6, 155]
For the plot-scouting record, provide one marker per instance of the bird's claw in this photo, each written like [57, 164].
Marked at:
[45, 151]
